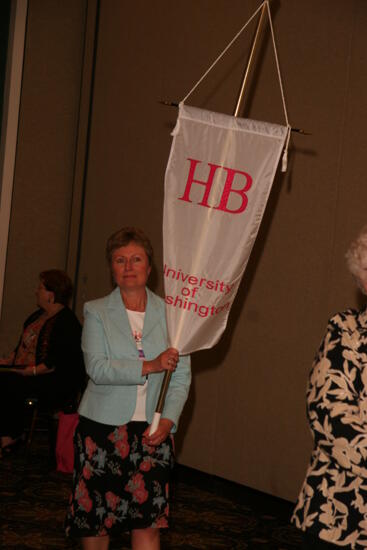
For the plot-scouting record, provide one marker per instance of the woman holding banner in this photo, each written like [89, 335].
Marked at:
[121, 478]
[332, 505]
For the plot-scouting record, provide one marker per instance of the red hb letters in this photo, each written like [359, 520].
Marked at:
[227, 190]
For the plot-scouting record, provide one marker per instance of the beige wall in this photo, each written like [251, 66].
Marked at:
[44, 170]
[245, 419]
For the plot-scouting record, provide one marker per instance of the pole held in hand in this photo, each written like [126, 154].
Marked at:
[160, 404]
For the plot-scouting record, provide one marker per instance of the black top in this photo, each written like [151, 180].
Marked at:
[59, 348]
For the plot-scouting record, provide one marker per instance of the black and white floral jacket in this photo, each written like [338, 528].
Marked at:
[333, 500]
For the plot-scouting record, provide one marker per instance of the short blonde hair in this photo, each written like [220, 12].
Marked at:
[357, 259]
[125, 236]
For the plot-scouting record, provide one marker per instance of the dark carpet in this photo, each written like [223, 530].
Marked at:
[207, 512]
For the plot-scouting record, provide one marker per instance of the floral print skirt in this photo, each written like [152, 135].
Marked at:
[119, 482]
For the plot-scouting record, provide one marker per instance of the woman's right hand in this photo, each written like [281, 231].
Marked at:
[167, 360]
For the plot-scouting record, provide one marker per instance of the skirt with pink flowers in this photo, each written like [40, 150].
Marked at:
[119, 482]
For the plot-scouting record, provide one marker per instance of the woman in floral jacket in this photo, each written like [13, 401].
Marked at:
[332, 505]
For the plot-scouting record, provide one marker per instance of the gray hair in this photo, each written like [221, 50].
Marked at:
[357, 259]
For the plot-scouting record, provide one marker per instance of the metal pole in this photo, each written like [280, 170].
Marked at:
[159, 408]
[250, 60]
[164, 389]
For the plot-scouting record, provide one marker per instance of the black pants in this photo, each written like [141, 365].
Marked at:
[15, 388]
[311, 542]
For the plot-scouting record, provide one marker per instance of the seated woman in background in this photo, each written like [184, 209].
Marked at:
[47, 362]
[332, 505]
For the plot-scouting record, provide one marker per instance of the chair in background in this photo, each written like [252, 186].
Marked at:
[42, 419]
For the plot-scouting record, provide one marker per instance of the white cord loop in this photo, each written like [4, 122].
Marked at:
[266, 3]
[223, 52]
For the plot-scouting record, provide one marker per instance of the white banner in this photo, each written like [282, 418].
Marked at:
[217, 183]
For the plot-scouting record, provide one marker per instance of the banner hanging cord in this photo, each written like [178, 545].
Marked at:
[289, 128]
[285, 152]
[277, 65]
[222, 53]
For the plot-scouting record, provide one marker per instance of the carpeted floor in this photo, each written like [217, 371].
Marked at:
[207, 512]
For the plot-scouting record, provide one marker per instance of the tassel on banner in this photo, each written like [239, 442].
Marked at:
[285, 152]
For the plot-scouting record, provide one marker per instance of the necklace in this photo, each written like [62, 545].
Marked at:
[135, 304]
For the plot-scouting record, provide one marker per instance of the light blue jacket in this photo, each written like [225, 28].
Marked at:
[114, 369]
